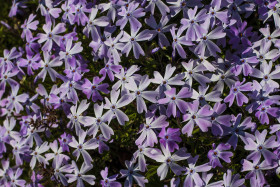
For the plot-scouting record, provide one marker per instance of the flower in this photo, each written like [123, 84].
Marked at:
[169, 161]
[195, 116]
[175, 100]
[36, 155]
[148, 136]
[114, 105]
[82, 146]
[192, 172]
[51, 35]
[219, 152]
[109, 181]
[80, 175]
[47, 66]
[132, 173]
[236, 92]
[261, 146]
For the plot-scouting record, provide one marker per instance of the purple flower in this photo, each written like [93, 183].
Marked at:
[205, 42]
[138, 92]
[114, 105]
[92, 89]
[130, 13]
[255, 170]
[196, 116]
[192, 176]
[261, 146]
[6, 61]
[14, 177]
[236, 92]
[99, 123]
[238, 130]
[31, 63]
[109, 181]
[70, 51]
[80, 16]
[192, 24]
[51, 35]
[193, 70]
[124, 78]
[110, 69]
[94, 23]
[264, 109]
[163, 8]
[82, 146]
[132, 42]
[148, 136]
[266, 75]
[219, 152]
[169, 161]
[169, 138]
[57, 153]
[232, 180]
[15, 100]
[167, 81]
[47, 67]
[29, 25]
[60, 169]
[175, 100]
[132, 173]
[143, 151]
[64, 141]
[178, 40]
[19, 149]
[80, 174]
[36, 155]
[203, 98]
[159, 29]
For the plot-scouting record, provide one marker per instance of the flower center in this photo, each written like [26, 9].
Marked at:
[194, 117]
[93, 87]
[166, 137]
[173, 98]
[138, 92]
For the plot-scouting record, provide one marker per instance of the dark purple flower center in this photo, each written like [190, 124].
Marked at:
[5, 76]
[215, 153]
[213, 118]
[138, 92]
[158, 30]
[175, 40]
[261, 57]
[166, 137]
[80, 146]
[46, 65]
[266, 77]
[98, 120]
[257, 167]
[64, 140]
[194, 116]
[132, 39]
[79, 175]
[128, 14]
[163, 82]
[93, 87]
[263, 109]
[204, 38]
[113, 107]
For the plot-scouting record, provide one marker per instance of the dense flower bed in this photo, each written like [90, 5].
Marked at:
[140, 92]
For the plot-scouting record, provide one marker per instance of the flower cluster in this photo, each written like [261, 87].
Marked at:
[198, 80]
